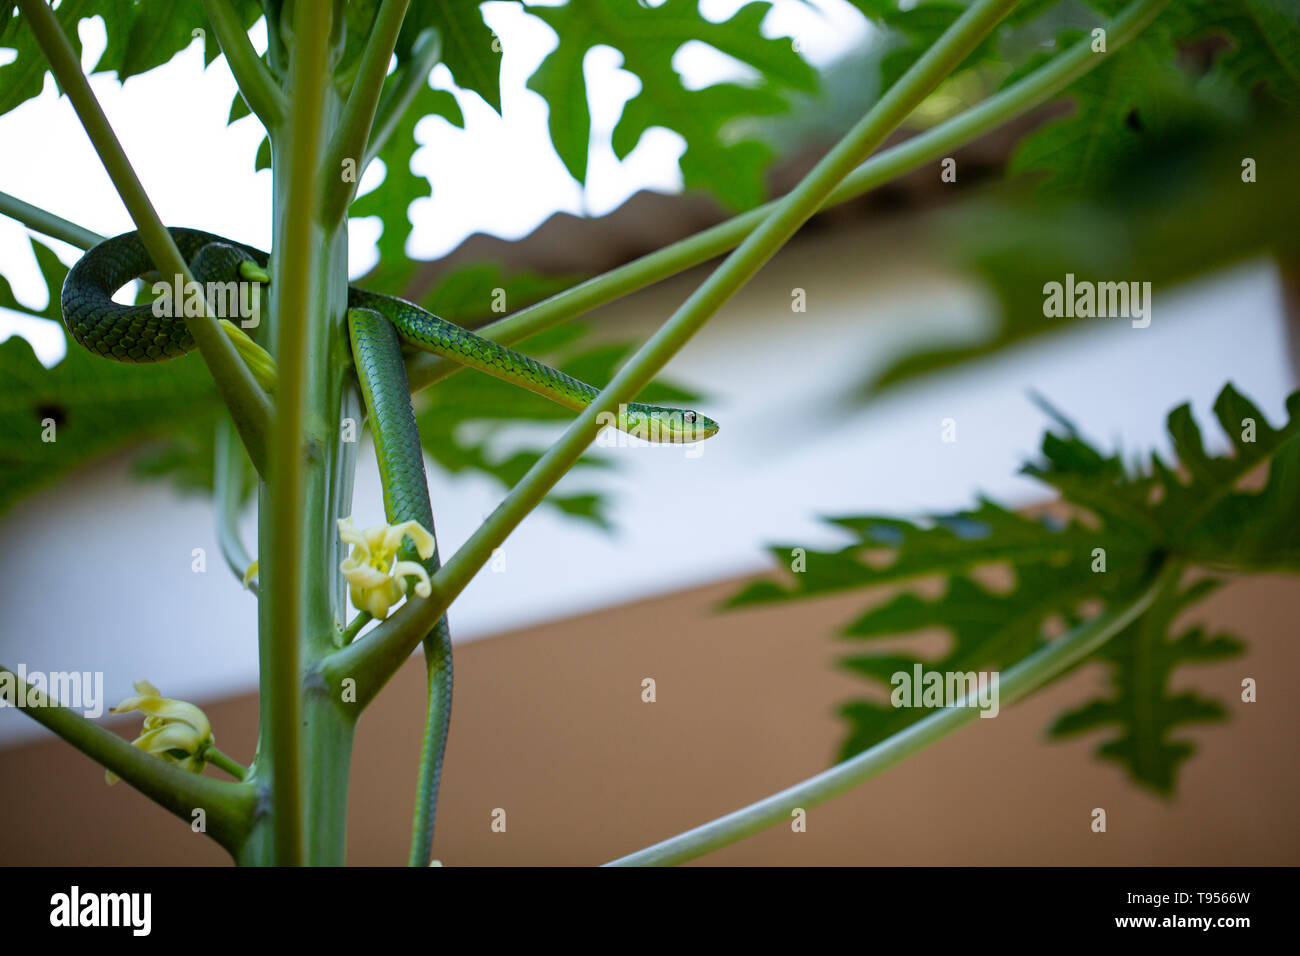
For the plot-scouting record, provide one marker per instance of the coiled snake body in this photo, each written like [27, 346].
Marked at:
[377, 326]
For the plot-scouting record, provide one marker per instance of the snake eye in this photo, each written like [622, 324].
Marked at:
[689, 417]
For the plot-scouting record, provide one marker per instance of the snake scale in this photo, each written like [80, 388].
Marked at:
[378, 325]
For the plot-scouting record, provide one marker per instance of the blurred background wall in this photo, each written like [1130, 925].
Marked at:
[549, 726]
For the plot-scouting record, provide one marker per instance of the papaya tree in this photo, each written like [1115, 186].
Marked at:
[1166, 99]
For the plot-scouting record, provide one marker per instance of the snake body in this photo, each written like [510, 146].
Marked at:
[132, 333]
[377, 327]
[381, 374]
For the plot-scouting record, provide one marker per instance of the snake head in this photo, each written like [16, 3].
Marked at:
[692, 426]
[222, 262]
[676, 425]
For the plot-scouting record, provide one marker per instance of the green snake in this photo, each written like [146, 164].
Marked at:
[377, 327]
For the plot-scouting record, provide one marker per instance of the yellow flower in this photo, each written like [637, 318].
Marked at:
[174, 730]
[376, 580]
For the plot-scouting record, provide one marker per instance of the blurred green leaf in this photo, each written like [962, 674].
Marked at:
[94, 406]
[1011, 581]
[1140, 225]
[1103, 192]
[52, 271]
[1206, 519]
[153, 39]
[140, 38]
[24, 77]
[1142, 660]
[469, 47]
[481, 291]
[358, 23]
[721, 157]
[1146, 92]
[1119, 107]
[185, 456]
[1263, 37]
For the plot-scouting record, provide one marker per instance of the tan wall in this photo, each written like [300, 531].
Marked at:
[550, 726]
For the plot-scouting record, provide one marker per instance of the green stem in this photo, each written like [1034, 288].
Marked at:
[283, 576]
[349, 140]
[221, 761]
[1017, 682]
[413, 76]
[1035, 89]
[277, 53]
[247, 402]
[228, 490]
[372, 661]
[256, 84]
[228, 807]
[46, 223]
[354, 628]
[328, 750]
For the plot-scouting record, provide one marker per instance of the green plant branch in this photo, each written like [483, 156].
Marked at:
[48, 224]
[248, 404]
[256, 84]
[1019, 681]
[227, 806]
[282, 573]
[228, 493]
[373, 660]
[349, 139]
[220, 760]
[424, 369]
[349, 633]
[413, 75]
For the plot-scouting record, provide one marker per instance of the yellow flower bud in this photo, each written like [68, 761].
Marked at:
[174, 730]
